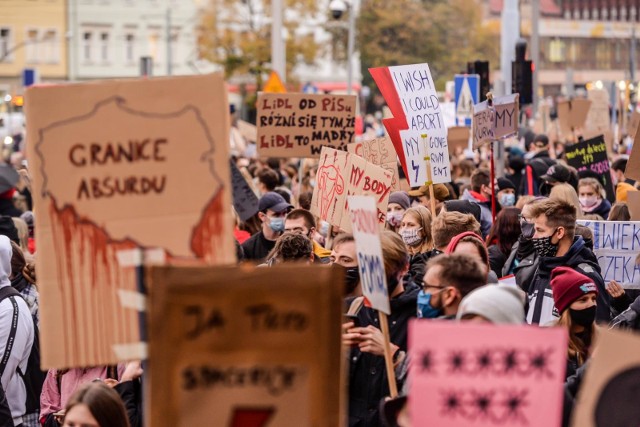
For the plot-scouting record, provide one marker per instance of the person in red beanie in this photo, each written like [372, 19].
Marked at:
[470, 243]
[574, 296]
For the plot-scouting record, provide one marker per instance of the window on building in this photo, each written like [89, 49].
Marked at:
[623, 13]
[129, 41]
[174, 48]
[50, 50]
[614, 13]
[605, 13]
[31, 46]
[154, 48]
[87, 45]
[104, 47]
[557, 50]
[5, 44]
[595, 13]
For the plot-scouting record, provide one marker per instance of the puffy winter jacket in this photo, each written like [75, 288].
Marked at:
[628, 319]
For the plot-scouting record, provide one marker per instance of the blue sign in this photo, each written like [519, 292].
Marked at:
[467, 93]
[29, 76]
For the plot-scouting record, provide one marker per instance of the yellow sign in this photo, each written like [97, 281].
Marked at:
[274, 84]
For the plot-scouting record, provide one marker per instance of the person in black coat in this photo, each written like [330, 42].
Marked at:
[6, 420]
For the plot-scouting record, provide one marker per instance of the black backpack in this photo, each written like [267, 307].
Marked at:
[34, 377]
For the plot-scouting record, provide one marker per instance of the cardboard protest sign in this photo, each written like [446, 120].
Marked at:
[634, 124]
[499, 121]
[608, 393]
[592, 155]
[230, 347]
[607, 134]
[633, 164]
[481, 374]
[299, 124]
[417, 128]
[633, 202]
[458, 139]
[572, 115]
[364, 223]
[341, 174]
[598, 117]
[127, 164]
[248, 131]
[379, 151]
[245, 201]
[617, 244]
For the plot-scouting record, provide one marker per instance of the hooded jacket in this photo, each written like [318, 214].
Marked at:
[14, 311]
[491, 275]
[367, 375]
[533, 275]
[602, 209]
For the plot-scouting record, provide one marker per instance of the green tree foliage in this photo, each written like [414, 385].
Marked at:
[445, 34]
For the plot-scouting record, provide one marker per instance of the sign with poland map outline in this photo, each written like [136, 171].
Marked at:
[139, 164]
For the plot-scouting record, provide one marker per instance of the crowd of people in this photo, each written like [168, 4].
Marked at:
[443, 259]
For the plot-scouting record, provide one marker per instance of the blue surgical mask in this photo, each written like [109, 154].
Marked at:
[276, 224]
[507, 200]
[425, 309]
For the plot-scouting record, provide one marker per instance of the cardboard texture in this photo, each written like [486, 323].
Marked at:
[633, 202]
[616, 245]
[245, 201]
[633, 124]
[608, 393]
[633, 164]
[379, 151]
[366, 231]
[591, 155]
[299, 125]
[598, 117]
[485, 375]
[608, 138]
[501, 121]
[127, 164]
[229, 347]
[572, 115]
[341, 174]
[411, 96]
[248, 131]
[458, 139]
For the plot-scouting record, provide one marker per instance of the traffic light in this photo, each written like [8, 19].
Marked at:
[522, 74]
[482, 69]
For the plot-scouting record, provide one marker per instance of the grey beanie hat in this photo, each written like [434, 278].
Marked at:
[501, 304]
[401, 198]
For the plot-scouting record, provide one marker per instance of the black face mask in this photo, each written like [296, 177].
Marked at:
[351, 279]
[528, 229]
[584, 317]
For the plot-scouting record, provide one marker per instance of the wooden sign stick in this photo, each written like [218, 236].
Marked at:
[391, 375]
[432, 197]
[493, 168]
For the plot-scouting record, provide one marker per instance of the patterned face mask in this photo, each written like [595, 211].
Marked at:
[411, 236]
[544, 246]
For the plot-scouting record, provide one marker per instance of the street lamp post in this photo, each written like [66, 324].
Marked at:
[338, 7]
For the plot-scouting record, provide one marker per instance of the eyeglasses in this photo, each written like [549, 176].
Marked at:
[523, 219]
[426, 286]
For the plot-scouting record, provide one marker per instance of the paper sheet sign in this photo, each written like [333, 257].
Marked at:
[617, 244]
[299, 125]
[341, 174]
[572, 115]
[634, 124]
[363, 215]
[608, 393]
[466, 374]
[499, 121]
[226, 350]
[379, 151]
[248, 131]
[127, 164]
[598, 117]
[592, 155]
[411, 95]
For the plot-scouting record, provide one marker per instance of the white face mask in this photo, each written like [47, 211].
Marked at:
[412, 236]
[588, 201]
[394, 218]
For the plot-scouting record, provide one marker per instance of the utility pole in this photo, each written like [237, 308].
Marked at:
[535, 49]
[72, 39]
[278, 54]
[632, 56]
[169, 50]
[509, 34]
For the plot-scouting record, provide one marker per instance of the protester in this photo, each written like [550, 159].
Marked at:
[499, 304]
[272, 209]
[447, 225]
[302, 221]
[449, 278]
[344, 254]
[556, 174]
[504, 233]
[619, 212]
[591, 196]
[368, 382]
[16, 337]
[506, 192]
[23, 279]
[95, 404]
[575, 296]
[568, 194]
[268, 180]
[623, 184]
[556, 245]
[465, 207]
[472, 244]
[398, 203]
[415, 230]
[422, 194]
[537, 162]
[291, 248]
[480, 193]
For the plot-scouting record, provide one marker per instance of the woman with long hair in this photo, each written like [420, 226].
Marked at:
[591, 196]
[415, 230]
[95, 404]
[574, 297]
[504, 233]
